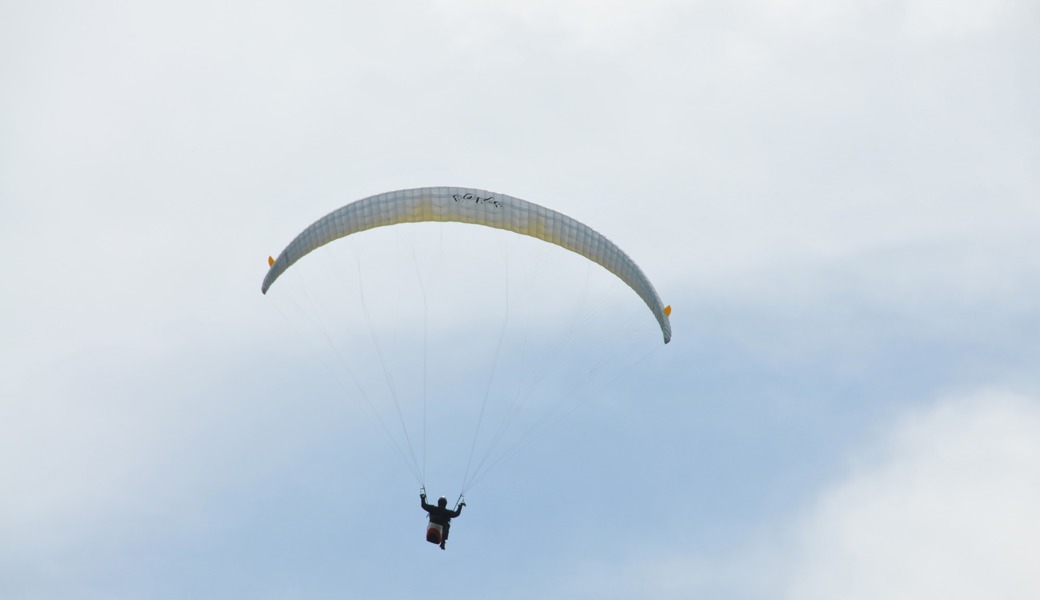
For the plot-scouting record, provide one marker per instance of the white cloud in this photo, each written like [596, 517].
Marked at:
[594, 24]
[944, 505]
[934, 18]
[946, 508]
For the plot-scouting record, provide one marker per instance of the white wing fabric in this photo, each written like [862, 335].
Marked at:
[480, 207]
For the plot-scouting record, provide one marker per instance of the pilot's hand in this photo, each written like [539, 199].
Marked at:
[463, 504]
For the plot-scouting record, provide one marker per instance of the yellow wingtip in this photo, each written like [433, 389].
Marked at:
[668, 310]
[270, 261]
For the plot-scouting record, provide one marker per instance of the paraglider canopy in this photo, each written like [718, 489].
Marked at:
[480, 207]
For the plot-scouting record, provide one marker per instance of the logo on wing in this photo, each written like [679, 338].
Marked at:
[475, 199]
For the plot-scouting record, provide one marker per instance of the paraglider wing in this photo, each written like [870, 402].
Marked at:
[480, 207]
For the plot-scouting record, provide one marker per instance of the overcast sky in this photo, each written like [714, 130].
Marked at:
[840, 200]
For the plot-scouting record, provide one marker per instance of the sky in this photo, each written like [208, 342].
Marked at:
[839, 199]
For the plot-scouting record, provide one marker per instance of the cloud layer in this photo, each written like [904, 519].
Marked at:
[944, 507]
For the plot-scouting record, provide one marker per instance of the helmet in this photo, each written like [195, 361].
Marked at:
[442, 502]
